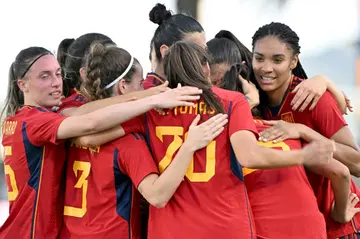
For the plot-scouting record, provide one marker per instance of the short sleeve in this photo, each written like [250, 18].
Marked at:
[42, 126]
[327, 117]
[135, 158]
[135, 125]
[240, 117]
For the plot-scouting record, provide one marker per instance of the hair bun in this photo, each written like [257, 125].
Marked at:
[159, 14]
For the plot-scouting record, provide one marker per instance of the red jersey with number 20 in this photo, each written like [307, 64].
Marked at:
[212, 201]
[282, 200]
[101, 200]
[34, 171]
[326, 119]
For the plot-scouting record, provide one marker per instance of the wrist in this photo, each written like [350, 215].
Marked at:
[189, 147]
[299, 156]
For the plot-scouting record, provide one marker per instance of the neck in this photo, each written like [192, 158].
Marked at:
[276, 96]
[30, 102]
[160, 71]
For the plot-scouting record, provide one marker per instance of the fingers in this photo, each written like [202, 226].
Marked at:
[188, 97]
[307, 101]
[297, 88]
[271, 122]
[187, 90]
[353, 199]
[271, 135]
[299, 98]
[280, 139]
[195, 121]
[178, 85]
[217, 133]
[314, 102]
[218, 123]
[166, 84]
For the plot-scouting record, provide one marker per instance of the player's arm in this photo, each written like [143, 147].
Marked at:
[100, 138]
[114, 115]
[310, 91]
[99, 104]
[158, 190]
[335, 171]
[347, 151]
[330, 123]
[135, 125]
[242, 133]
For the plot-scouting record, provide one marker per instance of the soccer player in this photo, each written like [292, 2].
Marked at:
[172, 28]
[95, 208]
[34, 153]
[278, 72]
[274, 184]
[71, 56]
[195, 210]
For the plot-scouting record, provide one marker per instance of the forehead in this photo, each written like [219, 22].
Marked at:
[271, 45]
[197, 37]
[45, 63]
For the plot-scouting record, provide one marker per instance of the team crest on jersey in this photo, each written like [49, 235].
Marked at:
[288, 117]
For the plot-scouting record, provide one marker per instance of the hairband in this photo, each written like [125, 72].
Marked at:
[32, 63]
[121, 76]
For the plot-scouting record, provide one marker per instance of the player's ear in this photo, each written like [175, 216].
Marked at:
[121, 87]
[82, 73]
[23, 85]
[294, 61]
[163, 50]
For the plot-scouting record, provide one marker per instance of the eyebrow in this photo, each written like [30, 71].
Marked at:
[275, 55]
[48, 72]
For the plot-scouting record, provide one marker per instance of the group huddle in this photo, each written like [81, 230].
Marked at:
[216, 142]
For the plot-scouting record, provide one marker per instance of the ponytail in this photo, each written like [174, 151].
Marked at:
[14, 96]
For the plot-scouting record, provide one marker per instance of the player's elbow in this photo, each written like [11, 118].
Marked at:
[247, 159]
[87, 141]
[341, 173]
[158, 202]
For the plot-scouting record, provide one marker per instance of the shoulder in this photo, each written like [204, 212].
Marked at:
[130, 141]
[228, 95]
[78, 97]
[295, 82]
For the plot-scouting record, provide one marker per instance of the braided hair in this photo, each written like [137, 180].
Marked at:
[104, 64]
[286, 35]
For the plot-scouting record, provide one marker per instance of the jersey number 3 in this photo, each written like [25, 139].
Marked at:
[82, 183]
[177, 132]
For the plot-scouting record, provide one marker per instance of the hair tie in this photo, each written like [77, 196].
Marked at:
[121, 76]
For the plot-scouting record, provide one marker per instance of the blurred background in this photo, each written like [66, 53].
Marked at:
[328, 31]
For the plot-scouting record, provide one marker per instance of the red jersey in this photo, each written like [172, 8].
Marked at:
[76, 99]
[282, 201]
[212, 200]
[152, 79]
[34, 174]
[101, 200]
[326, 119]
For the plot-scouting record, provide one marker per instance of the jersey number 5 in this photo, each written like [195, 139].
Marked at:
[82, 183]
[177, 132]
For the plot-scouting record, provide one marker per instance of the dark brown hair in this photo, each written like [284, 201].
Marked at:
[103, 65]
[183, 64]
